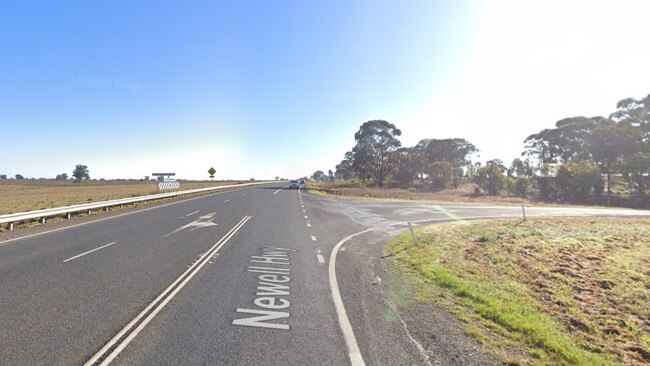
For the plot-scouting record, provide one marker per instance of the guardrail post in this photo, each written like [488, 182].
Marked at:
[106, 209]
[42, 220]
[68, 215]
[10, 226]
[87, 212]
[523, 211]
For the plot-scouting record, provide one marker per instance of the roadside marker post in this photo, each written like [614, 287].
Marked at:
[415, 240]
[523, 211]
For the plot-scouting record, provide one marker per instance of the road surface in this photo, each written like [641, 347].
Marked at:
[243, 277]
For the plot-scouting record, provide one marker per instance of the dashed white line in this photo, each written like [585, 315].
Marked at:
[192, 213]
[306, 217]
[226, 200]
[320, 258]
[276, 192]
[313, 238]
[243, 194]
[308, 225]
[88, 252]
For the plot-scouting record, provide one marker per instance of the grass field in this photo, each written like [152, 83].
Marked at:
[553, 291]
[28, 195]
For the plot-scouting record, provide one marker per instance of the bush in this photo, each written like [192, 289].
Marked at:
[491, 179]
[444, 174]
[578, 180]
[518, 186]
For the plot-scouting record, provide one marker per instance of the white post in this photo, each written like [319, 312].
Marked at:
[10, 226]
[415, 240]
[42, 220]
[523, 211]
[68, 215]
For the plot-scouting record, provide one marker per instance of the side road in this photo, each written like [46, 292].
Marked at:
[371, 294]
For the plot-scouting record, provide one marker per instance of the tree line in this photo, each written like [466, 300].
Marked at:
[575, 161]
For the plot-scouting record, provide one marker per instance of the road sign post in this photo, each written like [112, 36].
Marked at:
[211, 171]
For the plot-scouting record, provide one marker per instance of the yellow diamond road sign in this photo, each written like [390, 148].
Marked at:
[212, 171]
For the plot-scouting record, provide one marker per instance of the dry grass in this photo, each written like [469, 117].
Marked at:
[463, 194]
[28, 195]
[554, 291]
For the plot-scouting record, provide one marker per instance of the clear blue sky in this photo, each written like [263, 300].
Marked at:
[253, 88]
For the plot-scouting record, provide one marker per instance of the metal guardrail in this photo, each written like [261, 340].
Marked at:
[67, 211]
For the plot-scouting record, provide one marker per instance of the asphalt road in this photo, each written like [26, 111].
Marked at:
[237, 278]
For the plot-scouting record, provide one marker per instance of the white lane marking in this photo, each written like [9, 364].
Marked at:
[243, 194]
[306, 217]
[304, 211]
[318, 251]
[346, 328]
[313, 238]
[320, 258]
[276, 192]
[167, 294]
[192, 213]
[88, 252]
[308, 225]
[226, 200]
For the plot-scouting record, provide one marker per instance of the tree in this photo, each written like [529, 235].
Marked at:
[62, 176]
[405, 173]
[3, 176]
[444, 174]
[490, 178]
[19, 176]
[373, 153]
[566, 142]
[345, 169]
[608, 142]
[318, 176]
[635, 112]
[520, 168]
[146, 178]
[81, 172]
[330, 174]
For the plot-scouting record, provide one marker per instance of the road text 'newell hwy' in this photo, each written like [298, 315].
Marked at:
[273, 270]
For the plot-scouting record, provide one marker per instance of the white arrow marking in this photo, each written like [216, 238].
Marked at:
[203, 221]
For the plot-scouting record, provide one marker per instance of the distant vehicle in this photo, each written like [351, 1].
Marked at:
[294, 184]
[302, 181]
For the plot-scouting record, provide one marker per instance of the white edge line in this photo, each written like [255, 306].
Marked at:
[88, 252]
[346, 328]
[200, 262]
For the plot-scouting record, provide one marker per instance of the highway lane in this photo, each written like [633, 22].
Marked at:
[61, 308]
[61, 313]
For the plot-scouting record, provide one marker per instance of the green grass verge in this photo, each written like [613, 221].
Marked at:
[562, 291]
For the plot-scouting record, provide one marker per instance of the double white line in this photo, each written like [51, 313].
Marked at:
[126, 335]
